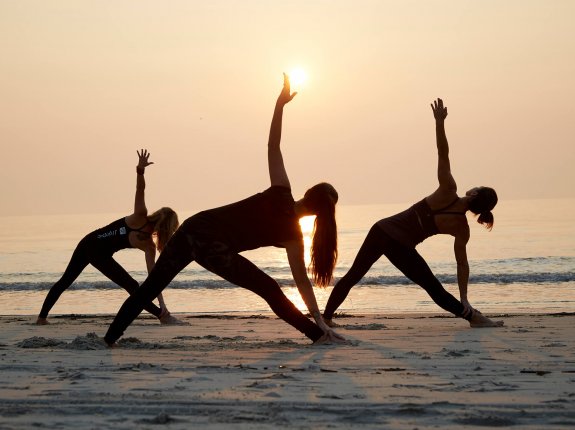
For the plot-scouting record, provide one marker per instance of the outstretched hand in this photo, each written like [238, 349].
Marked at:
[439, 111]
[143, 156]
[286, 95]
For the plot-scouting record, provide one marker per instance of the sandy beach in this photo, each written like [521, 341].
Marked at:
[256, 372]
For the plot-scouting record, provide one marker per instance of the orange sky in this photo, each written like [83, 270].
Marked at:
[84, 84]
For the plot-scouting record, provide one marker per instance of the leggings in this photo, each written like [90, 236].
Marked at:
[407, 260]
[189, 244]
[85, 254]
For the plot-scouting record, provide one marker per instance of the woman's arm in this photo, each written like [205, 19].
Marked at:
[444, 176]
[150, 254]
[140, 214]
[295, 254]
[140, 202]
[278, 174]
[460, 249]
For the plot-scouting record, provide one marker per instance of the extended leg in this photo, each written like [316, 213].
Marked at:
[367, 255]
[117, 274]
[242, 272]
[416, 269]
[412, 265]
[178, 253]
[77, 264]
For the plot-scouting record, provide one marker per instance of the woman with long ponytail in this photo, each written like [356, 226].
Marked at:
[321, 200]
[214, 239]
[442, 212]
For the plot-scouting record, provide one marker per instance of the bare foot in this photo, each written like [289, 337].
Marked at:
[169, 319]
[478, 320]
[42, 321]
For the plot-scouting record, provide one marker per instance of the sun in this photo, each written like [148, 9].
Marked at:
[297, 78]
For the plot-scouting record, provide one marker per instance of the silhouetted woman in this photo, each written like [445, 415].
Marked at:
[214, 239]
[137, 230]
[442, 212]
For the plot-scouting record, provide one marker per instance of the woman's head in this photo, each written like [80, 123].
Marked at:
[320, 201]
[482, 200]
[165, 222]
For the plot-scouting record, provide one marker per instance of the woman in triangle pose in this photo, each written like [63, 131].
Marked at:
[214, 239]
[138, 230]
[442, 212]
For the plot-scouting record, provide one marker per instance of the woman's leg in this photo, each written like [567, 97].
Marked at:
[219, 259]
[178, 253]
[77, 264]
[412, 265]
[367, 255]
[117, 274]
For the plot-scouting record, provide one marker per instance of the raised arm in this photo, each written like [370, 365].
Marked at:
[140, 201]
[278, 174]
[446, 180]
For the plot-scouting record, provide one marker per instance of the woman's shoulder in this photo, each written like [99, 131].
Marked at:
[136, 221]
[441, 198]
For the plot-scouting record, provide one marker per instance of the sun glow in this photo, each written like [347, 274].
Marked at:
[295, 297]
[293, 294]
[297, 78]
[306, 224]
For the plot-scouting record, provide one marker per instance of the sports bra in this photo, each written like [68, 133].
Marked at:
[415, 224]
[115, 236]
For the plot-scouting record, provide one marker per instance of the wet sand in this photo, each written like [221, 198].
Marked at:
[256, 372]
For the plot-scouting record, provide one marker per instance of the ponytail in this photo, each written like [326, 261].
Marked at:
[321, 200]
[486, 219]
[482, 204]
[165, 222]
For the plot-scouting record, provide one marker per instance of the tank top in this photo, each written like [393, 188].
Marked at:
[415, 224]
[264, 219]
[114, 236]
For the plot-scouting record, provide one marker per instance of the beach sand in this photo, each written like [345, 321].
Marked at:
[257, 372]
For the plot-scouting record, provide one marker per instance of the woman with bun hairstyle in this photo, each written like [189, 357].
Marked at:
[214, 239]
[148, 233]
[442, 212]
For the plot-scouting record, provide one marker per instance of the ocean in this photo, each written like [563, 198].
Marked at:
[526, 264]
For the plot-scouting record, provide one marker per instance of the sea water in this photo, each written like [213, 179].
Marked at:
[526, 264]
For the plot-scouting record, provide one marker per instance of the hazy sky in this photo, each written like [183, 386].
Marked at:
[86, 83]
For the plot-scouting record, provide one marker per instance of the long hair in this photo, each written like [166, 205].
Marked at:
[165, 222]
[320, 200]
[482, 204]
